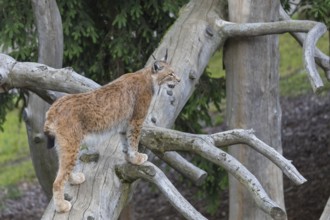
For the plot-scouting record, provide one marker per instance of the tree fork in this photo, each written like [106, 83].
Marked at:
[198, 35]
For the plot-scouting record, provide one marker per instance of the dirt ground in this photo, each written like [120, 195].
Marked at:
[306, 126]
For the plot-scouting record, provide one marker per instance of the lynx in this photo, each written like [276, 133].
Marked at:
[125, 101]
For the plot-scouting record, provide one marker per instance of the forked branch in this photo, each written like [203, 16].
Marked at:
[321, 59]
[162, 140]
[153, 174]
[314, 29]
[240, 136]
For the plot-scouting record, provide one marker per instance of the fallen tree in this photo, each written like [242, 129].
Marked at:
[191, 41]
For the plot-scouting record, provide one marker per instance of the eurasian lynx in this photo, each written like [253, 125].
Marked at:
[125, 101]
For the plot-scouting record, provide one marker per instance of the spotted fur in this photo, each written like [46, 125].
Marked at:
[124, 102]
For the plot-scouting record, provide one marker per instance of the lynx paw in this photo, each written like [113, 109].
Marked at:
[77, 178]
[63, 206]
[137, 158]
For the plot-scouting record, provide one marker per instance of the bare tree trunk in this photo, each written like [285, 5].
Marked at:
[50, 39]
[253, 102]
[190, 43]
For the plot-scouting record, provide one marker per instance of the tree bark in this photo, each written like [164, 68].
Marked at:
[50, 40]
[253, 102]
[191, 41]
[190, 46]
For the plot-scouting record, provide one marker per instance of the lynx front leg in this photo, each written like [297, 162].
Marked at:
[133, 138]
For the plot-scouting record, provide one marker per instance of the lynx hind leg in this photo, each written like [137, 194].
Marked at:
[133, 137]
[68, 152]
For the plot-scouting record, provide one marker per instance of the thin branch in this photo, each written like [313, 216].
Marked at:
[240, 136]
[265, 28]
[309, 50]
[321, 59]
[187, 169]
[47, 95]
[162, 140]
[153, 174]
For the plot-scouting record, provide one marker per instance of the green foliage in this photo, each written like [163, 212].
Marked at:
[215, 66]
[105, 39]
[317, 10]
[17, 31]
[102, 40]
[286, 4]
[6, 105]
[15, 163]
[216, 181]
[196, 115]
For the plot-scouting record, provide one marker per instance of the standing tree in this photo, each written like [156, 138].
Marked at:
[197, 33]
[253, 102]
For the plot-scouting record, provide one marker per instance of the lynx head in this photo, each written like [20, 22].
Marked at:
[162, 73]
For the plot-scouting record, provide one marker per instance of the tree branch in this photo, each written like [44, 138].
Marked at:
[153, 174]
[240, 136]
[264, 28]
[309, 50]
[162, 140]
[187, 169]
[321, 59]
[35, 75]
[315, 31]
[42, 79]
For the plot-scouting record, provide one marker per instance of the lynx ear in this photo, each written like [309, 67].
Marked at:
[165, 57]
[156, 67]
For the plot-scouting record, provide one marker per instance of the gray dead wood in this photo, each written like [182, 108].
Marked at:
[50, 52]
[162, 140]
[153, 174]
[191, 41]
[321, 59]
[326, 212]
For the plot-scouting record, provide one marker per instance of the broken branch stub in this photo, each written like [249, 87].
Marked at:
[187, 169]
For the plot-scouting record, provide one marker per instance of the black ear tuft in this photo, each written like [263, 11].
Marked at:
[153, 57]
[165, 57]
[156, 67]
